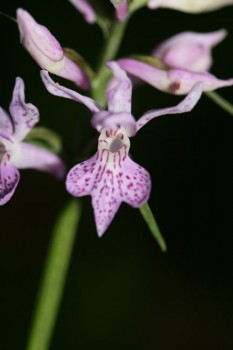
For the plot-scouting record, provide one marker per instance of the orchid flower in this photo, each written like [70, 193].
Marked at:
[86, 8]
[111, 177]
[189, 50]
[15, 154]
[185, 57]
[190, 6]
[46, 50]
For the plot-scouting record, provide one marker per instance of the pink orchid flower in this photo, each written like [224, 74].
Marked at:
[16, 154]
[111, 177]
[187, 59]
[189, 50]
[46, 50]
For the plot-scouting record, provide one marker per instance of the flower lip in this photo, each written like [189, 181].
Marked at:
[110, 177]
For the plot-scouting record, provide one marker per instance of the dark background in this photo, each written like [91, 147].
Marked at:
[121, 291]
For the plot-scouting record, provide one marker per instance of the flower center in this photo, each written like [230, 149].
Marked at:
[114, 143]
[117, 140]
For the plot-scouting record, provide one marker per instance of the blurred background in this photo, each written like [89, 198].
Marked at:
[122, 292]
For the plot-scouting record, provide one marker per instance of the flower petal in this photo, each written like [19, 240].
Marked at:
[92, 178]
[184, 106]
[144, 71]
[9, 178]
[110, 177]
[59, 90]
[192, 6]
[24, 115]
[119, 92]
[68, 69]
[114, 121]
[37, 39]
[33, 157]
[189, 50]
[6, 138]
[46, 50]
[134, 184]
[5, 121]
[175, 81]
[121, 7]
[181, 81]
[85, 8]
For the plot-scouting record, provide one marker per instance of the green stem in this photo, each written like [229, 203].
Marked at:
[137, 4]
[153, 226]
[220, 101]
[53, 279]
[111, 47]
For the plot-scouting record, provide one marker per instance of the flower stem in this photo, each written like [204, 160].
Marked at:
[153, 226]
[110, 49]
[220, 101]
[53, 279]
[137, 4]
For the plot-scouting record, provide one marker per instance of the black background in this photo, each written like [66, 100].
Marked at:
[121, 291]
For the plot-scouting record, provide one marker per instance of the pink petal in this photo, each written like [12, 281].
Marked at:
[69, 70]
[114, 121]
[37, 39]
[189, 50]
[150, 74]
[121, 7]
[192, 6]
[59, 90]
[33, 157]
[6, 138]
[110, 177]
[9, 178]
[46, 50]
[175, 81]
[119, 92]
[5, 122]
[181, 81]
[86, 9]
[184, 106]
[24, 115]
